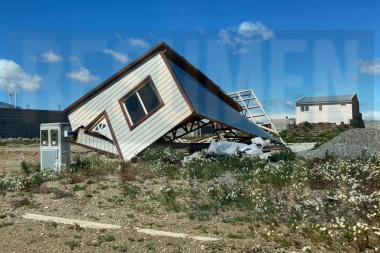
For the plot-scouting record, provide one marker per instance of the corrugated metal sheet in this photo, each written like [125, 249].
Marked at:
[325, 99]
[210, 106]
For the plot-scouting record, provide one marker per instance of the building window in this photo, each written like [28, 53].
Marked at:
[320, 107]
[141, 103]
[302, 108]
[54, 137]
[306, 108]
[44, 138]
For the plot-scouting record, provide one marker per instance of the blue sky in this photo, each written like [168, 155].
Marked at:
[53, 52]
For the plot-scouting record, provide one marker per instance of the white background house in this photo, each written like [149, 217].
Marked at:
[341, 109]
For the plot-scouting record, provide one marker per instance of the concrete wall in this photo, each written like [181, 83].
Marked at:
[26, 123]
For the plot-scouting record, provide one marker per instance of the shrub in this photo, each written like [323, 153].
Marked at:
[284, 155]
[161, 154]
[93, 160]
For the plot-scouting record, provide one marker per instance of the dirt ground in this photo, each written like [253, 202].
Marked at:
[12, 154]
[100, 200]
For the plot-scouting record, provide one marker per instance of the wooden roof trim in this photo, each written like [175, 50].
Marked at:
[202, 78]
[124, 71]
[97, 119]
[172, 55]
[177, 82]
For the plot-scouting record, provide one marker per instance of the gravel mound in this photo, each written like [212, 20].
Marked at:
[349, 144]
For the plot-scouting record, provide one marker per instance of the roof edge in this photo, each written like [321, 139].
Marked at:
[172, 55]
[159, 47]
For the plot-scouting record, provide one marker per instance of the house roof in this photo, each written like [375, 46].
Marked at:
[208, 105]
[326, 99]
[205, 98]
[172, 55]
[6, 105]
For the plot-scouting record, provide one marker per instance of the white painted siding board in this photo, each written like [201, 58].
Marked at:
[140, 140]
[168, 92]
[98, 143]
[98, 103]
[173, 112]
[161, 116]
[173, 100]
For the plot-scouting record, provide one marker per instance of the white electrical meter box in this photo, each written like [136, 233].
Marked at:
[55, 145]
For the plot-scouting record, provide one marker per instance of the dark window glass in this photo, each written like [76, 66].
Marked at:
[44, 138]
[149, 97]
[134, 107]
[302, 108]
[54, 137]
[306, 108]
[148, 102]
[320, 107]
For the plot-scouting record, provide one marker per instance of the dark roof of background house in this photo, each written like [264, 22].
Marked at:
[326, 99]
[6, 105]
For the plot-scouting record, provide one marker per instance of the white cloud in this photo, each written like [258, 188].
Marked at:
[245, 34]
[13, 78]
[123, 58]
[81, 75]
[73, 59]
[242, 50]
[50, 56]
[369, 67]
[371, 115]
[251, 30]
[201, 31]
[138, 42]
[276, 102]
[281, 115]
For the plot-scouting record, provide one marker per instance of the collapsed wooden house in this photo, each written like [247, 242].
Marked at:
[150, 100]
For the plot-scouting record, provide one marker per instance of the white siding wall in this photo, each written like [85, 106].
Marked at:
[335, 113]
[97, 143]
[132, 142]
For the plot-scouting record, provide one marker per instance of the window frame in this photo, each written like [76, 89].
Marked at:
[54, 137]
[44, 138]
[135, 90]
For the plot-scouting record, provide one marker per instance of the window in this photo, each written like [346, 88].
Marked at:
[304, 108]
[142, 102]
[100, 127]
[320, 107]
[44, 138]
[54, 137]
